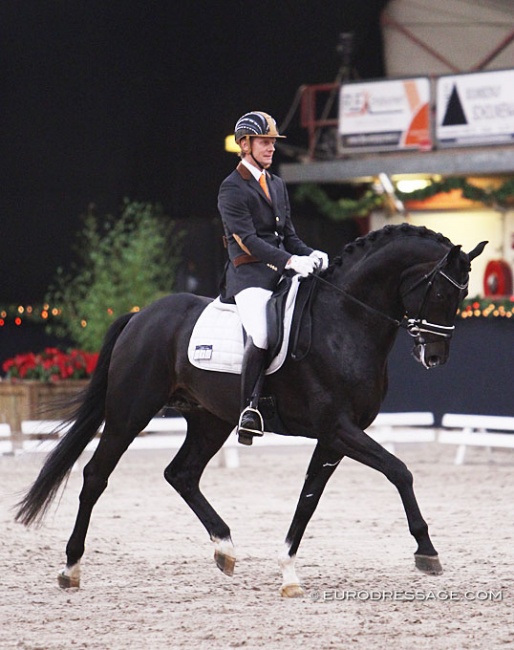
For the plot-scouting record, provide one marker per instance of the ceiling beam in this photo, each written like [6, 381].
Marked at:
[445, 162]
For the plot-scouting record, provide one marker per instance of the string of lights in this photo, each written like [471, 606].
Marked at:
[20, 315]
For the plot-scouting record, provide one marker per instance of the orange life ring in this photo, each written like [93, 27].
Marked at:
[497, 279]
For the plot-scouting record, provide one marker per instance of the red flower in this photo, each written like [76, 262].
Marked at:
[91, 359]
[51, 365]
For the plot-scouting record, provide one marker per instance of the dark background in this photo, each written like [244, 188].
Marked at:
[105, 100]
[477, 378]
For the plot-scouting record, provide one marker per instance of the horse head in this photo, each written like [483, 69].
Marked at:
[431, 294]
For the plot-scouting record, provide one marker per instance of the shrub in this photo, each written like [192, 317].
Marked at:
[126, 262]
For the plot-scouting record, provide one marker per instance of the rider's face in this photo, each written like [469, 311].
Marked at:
[262, 150]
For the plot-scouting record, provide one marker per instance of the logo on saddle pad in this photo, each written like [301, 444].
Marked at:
[217, 340]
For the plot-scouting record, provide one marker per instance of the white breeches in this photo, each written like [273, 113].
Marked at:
[251, 305]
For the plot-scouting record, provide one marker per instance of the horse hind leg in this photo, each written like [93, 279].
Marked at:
[96, 473]
[205, 436]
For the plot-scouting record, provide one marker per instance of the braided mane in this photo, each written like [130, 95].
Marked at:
[378, 238]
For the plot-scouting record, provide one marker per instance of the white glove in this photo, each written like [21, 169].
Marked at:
[302, 264]
[322, 257]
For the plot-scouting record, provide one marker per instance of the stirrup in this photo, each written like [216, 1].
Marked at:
[247, 431]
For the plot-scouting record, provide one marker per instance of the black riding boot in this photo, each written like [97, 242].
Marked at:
[252, 378]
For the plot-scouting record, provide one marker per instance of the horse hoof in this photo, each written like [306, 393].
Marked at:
[429, 564]
[67, 582]
[225, 563]
[291, 591]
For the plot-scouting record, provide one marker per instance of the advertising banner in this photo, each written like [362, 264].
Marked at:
[385, 115]
[475, 109]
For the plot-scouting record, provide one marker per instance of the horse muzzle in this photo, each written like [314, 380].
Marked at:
[435, 351]
[432, 354]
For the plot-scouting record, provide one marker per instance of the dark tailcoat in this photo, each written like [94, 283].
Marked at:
[259, 233]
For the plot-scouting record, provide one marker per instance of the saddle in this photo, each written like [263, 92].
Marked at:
[218, 338]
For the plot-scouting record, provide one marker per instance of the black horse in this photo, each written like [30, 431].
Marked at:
[332, 394]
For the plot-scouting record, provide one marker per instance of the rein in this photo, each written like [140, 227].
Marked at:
[396, 322]
[297, 352]
[418, 325]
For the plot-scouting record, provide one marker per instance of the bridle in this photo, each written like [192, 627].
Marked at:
[419, 325]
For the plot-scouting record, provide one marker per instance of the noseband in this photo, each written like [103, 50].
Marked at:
[419, 325]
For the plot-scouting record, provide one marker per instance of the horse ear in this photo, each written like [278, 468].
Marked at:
[477, 250]
[453, 254]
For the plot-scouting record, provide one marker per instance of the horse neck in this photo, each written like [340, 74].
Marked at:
[375, 282]
[374, 277]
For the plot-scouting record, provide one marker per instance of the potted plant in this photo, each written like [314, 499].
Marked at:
[35, 381]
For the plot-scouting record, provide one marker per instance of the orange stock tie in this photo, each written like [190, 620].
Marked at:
[264, 185]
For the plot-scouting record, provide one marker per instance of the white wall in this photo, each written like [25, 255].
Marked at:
[508, 250]
[463, 32]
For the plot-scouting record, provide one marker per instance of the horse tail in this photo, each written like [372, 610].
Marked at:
[86, 417]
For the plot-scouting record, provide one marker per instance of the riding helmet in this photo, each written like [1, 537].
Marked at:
[256, 124]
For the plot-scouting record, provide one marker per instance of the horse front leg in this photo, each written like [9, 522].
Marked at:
[321, 467]
[205, 436]
[356, 444]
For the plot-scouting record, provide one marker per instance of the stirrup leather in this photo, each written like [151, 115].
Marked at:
[254, 432]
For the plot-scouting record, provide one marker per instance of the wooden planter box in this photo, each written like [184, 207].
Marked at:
[32, 400]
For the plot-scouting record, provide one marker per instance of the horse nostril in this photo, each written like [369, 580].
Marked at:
[433, 361]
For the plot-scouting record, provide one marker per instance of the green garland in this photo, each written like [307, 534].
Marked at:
[499, 197]
[339, 209]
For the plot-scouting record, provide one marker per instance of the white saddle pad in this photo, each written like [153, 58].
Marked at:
[217, 339]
